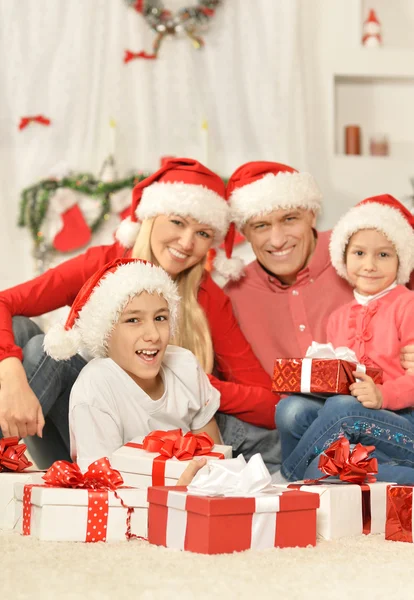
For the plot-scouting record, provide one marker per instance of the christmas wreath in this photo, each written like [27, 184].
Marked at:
[189, 20]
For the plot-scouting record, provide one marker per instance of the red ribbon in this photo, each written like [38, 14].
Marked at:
[132, 55]
[354, 466]
[98, 479]
[169, 444]
[139, 6]
[24, 121]
[12, 456]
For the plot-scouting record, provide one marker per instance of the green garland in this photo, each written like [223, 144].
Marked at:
[35, 199]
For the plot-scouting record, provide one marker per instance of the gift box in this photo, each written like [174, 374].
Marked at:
[217, 525]
[161, 457]
[73, 507]
[399, 524]
[230, 507]
[7, 499]
[351, 501]
[346, 509]
[324, 370]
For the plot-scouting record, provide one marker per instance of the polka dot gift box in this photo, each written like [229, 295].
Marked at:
[76, 507]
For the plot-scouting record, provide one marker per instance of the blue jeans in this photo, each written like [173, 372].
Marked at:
[52, 382]
[249, 439]
[308, 426]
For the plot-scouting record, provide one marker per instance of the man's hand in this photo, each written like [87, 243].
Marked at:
[366, 391]
[20, 411]
[407, 359]
[194, 466]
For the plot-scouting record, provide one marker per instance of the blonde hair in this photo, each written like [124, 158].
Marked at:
[193, 331]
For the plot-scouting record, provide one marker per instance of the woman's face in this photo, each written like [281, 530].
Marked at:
[178, 243]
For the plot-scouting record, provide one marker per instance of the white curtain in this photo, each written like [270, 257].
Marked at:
[64, 59]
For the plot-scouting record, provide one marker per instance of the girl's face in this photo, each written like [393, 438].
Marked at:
[178, 243]
[371, 262]
[139, 339]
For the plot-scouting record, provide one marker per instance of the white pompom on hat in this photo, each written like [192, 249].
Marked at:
[184, 187]
[385, 214]
[101, 300]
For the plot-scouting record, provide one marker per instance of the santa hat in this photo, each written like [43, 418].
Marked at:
[101, 300]
[385, 214]
[184, 187]
[258, 188]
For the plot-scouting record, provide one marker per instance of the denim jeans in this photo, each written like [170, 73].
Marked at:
[315, 424]
[52, 382]
[249, 439]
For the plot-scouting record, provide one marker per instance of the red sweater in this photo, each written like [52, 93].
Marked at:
[245, 392]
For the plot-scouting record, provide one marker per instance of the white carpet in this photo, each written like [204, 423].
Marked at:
[362, 567]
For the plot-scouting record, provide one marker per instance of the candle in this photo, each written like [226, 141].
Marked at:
[204, 138]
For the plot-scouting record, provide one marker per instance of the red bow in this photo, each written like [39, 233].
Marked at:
[99, 476]
[174, 443]
[354, 466]
[132, 55]
[24, 121]
[12, 456]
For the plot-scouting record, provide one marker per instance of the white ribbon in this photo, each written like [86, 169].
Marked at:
[232, 477]
[325, 352]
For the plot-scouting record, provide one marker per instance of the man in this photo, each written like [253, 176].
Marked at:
[287, 294]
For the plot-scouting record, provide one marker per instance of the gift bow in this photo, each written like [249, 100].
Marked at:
[12, 457]
[327, 351]
[99, 476]
[354, 466]
[232, 477]
[24, 121]
[174, 443]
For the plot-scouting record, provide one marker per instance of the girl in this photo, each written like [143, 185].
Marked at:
[372, 246]
[124, 316]
[183, 213]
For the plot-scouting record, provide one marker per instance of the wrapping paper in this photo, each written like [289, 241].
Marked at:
[251, 514]
[7, 500]
[138, 467]
[324, 370]
[399, 525]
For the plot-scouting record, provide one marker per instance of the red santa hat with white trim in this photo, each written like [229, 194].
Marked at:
[184, 187]
[385, 214]
[100, 302]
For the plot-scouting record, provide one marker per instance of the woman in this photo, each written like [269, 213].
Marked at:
[183, 213]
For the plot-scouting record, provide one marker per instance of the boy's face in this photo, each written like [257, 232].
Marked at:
[139, 339]
[371, 262]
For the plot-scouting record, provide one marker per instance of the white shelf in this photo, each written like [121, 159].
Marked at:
[375, 62]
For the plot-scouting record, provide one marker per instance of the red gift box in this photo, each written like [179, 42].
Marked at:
[399, 523]
[218, 525]
[316, 375]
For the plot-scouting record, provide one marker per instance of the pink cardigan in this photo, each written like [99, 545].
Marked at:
[377, 332]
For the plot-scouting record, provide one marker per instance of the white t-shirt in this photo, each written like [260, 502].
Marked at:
[108, 409]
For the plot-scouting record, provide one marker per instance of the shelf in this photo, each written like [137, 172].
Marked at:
[375, 62]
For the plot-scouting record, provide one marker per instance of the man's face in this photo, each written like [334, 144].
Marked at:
[283, 241]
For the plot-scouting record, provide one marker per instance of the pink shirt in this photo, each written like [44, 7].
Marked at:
[377, 332]
[281, 321]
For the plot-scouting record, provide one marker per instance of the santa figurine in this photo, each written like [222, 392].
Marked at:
[371, 31]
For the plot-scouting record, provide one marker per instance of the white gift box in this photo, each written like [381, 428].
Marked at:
[67, 514]
[7, 501]
[340, 512]
[136, 464]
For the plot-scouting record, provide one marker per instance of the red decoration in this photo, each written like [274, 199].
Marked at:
[133, 55]
[328, 376]
[12, 456]
[24, 121]
[352, 466]
[171, 444]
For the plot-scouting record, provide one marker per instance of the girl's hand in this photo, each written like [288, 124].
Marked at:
[366, 391]
[407, 359]
[194, 466]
